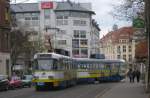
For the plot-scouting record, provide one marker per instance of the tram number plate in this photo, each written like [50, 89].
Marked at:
[40, 83]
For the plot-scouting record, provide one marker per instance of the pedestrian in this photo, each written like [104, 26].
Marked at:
[133, 75]
[137, 74]
[130, 75]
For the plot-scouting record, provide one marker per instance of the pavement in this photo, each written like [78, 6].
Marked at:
[125, 89]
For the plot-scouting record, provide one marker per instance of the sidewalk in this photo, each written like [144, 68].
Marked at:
[125, 89]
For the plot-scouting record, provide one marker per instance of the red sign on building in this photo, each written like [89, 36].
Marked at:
[47, 5]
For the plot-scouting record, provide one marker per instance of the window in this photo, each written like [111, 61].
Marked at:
[76, 33]
[124, 41]
[83, 42]
[34, 18]
[27, 18]
[79, 33]
[84, 52]
[62, 42]
[118, 57]
[79, 23]
[124, 48]
[59, 22]
[118, 49]
[6, 13]
[59, 17]
[76, 22]
[130, 49]
[65, 17]
[47, 14]
[62, 17]
[83, 34]
[65, 22]
[62, 22]
[27, 15]
[75, 52]
[75, 43]
[45, 64]
[130, 57]
[83, 23]
[19, 16]
[124, 57]
[62, 32]
[35, 23]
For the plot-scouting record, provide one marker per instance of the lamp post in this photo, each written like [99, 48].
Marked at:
[147, 21]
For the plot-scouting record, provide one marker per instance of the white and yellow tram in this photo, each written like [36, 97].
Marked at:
[91, 70]
[53, 70]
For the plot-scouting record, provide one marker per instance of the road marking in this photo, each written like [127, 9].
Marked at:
[102, 93]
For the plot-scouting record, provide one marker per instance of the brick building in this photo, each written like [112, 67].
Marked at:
[119, 44]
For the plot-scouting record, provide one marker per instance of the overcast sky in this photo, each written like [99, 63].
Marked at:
[102, 9]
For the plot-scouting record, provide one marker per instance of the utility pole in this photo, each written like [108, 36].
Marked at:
[147, 22]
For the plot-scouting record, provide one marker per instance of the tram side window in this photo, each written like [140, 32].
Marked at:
[79, 66]
[85, 66]
[61, 64]
[67, 65]
[91, 66]
[71, 64]
[74, 65]
[97, 66]
[88, 67]
[101, 67]
[55, 65]
[35, 64]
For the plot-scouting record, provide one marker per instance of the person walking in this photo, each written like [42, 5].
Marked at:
[133, 75]
[130, 75]
[137, 74]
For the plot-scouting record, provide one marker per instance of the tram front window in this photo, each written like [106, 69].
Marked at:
[46, 65]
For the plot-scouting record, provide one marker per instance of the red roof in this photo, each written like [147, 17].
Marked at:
[115, 36]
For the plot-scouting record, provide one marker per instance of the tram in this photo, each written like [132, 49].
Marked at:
[91, 70]
[53, 70]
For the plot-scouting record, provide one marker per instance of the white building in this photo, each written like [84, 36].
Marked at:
[67, 25]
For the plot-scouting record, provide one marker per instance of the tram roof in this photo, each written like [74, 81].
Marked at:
[50, 55]
[100, 60]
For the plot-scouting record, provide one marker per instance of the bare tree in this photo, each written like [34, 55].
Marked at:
[129, 9]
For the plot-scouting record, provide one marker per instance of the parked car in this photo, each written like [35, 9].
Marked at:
[27, 80]
[4, 83]
[15, 82]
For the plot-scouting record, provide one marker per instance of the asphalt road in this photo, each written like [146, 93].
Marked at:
[78, 91]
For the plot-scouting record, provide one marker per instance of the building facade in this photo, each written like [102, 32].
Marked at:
[4, 37]
[63, 25]
[119, 44]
